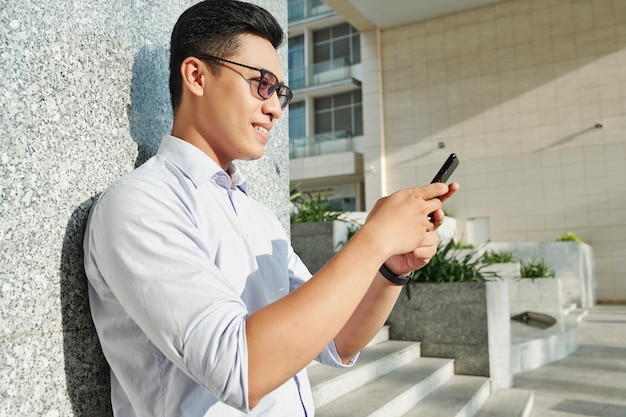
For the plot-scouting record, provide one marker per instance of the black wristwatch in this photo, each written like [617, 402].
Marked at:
[396, 279]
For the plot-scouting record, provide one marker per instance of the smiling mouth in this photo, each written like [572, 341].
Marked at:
[262, 129]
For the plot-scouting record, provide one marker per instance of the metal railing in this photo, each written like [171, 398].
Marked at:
[322, 144]
[320, 73]
[304, 9]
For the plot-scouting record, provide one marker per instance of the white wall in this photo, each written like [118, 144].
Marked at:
[515, 90]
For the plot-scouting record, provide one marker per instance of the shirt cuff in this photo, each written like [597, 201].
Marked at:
[330, 357]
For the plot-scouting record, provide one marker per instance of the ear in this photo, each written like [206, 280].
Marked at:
[192, 71]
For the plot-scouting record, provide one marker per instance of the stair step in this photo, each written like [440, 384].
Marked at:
[508, 403]
[392, 394]
[461, 396]
[330, 383]
[540, 412]
[381, 336]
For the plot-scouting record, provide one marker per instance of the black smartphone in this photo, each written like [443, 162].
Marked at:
[447, 169]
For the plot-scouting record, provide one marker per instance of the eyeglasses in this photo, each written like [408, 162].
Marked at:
[267, 84]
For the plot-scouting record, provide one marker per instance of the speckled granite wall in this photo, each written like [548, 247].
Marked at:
[83, 97]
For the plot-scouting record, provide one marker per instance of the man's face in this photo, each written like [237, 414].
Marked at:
[234, 121]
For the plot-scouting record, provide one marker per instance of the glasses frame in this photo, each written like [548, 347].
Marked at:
[283, 92]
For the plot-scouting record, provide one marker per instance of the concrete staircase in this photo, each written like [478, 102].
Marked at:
[392, 379]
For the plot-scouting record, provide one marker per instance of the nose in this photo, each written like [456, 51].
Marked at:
[271, 107]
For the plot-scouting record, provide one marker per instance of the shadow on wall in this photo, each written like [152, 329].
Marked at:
[86, 370]
[150, 112]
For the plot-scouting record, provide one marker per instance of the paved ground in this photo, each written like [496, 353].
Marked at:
[591, 381]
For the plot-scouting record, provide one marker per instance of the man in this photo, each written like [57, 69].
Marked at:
[201, 306]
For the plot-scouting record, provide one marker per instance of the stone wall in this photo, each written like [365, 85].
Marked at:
[84, 98]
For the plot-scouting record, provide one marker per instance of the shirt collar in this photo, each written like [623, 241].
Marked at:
[196, 165]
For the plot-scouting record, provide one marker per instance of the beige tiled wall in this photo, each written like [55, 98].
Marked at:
[515, 89]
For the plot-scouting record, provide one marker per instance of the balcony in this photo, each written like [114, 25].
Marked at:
[341, 166]
[300, 10]
[322, 144]
[323, 73]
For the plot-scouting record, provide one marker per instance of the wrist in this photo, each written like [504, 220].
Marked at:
[380, 247]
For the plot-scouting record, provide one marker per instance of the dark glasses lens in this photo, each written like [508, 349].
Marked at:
[268, 85]
[284, 96]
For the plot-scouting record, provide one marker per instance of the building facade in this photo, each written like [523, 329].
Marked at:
[531, 94]
[326, 115]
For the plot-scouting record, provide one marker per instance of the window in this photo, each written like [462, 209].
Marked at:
[296, 9]
[337, 42]
[297, 71]
[342, 204]
[301, 9]
[340, 115]
[297, 125]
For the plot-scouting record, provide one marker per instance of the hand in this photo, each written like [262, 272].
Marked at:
[418, 258]
[437, 216]
[399, 223]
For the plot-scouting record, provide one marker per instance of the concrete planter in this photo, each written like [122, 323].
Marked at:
[465, 321]
[533, 347]
[541, 295]
[573, 262]
[317, 242]
[506, 271]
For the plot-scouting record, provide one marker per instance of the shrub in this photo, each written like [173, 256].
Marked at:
[569, 237]
[501, 257]
[307, 208]
[448, 265]
[536, 268]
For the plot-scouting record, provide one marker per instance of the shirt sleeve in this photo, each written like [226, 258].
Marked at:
[150, 260]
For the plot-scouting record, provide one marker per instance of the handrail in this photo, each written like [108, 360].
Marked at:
[320, 73]
[321, 144]
[305, 9]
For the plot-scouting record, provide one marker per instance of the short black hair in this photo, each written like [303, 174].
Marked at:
[212, 27]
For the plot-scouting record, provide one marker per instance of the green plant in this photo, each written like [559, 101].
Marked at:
[499, 257]
[459, 245]
[448, 265]
[308, 207]
[569, 237]
[536, 268]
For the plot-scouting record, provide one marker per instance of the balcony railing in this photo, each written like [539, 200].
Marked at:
[304, 9]
[320, 73]
[322, 144]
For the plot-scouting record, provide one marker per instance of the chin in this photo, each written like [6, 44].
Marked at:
[253, 156]
[258, 153]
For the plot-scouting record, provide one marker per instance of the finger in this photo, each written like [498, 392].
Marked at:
[452, 188]
[438, 217]
[434, 190]
[431, 239]
[428, 248]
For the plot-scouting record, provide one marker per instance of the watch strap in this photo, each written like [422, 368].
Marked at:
[396, 279]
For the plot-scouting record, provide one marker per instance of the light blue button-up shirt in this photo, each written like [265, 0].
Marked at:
[177, 256]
